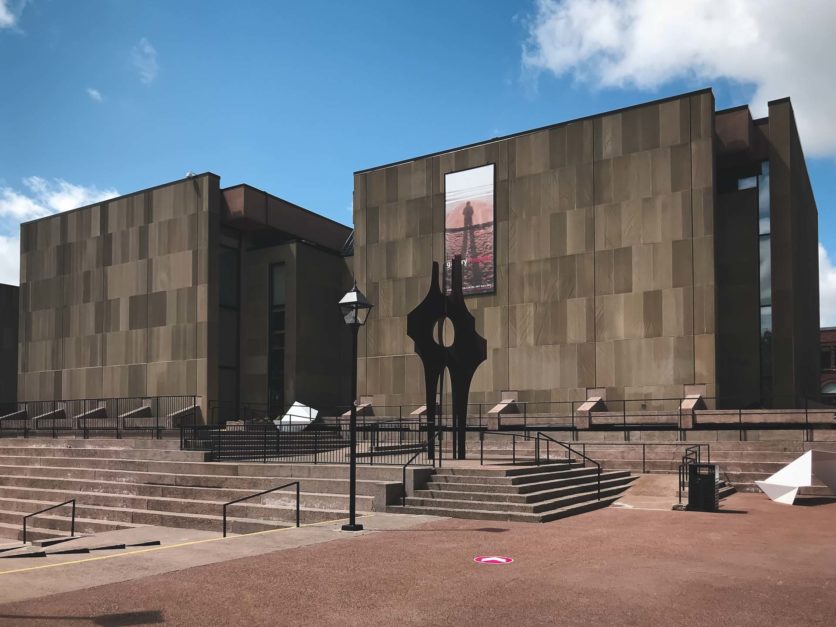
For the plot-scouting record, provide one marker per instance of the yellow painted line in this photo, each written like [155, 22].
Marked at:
[170, 546]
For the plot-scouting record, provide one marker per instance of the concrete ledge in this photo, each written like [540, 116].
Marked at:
[593, 403]
[364, 409]
[143, 411]
[18, 415]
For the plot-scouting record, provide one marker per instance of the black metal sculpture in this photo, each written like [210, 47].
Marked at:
[461, 358]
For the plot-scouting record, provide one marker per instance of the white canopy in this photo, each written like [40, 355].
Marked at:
[782, 487]
[298, 417]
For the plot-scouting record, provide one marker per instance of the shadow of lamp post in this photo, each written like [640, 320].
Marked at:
[355, 310]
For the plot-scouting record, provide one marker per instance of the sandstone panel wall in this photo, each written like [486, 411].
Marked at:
[604, 254]
[115, 298]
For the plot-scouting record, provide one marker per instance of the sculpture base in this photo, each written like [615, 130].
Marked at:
[354, 527]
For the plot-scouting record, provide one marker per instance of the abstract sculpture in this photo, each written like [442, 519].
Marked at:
[461, 358]
[782, 487]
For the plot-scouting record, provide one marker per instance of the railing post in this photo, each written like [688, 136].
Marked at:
[316, 448]
[740, 424]
[225, 519]
[514, 449]
[643, 459]
[624, 418]
[264, 444]
[481, 447]
[72, 521]
[297, 504]
[525, 415]
[537, 450]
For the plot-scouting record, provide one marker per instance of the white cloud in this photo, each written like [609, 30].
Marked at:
[41, 198]
[781, 48]
[9, 260]
[94, 94]
[10, 12]
[827, 289]
[144, 58]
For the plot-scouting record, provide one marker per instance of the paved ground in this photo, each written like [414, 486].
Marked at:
[758, 563]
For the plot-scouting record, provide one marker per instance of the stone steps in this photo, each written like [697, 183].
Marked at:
[275, 506]
[140, 484]
[524, 494]
[477, 514]
[513, 498]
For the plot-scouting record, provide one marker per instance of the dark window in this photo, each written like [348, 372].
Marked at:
[229, 273]
[827, 359]
[276, 339]
[765, 270]
[761, 183]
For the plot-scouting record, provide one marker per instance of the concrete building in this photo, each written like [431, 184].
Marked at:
[651, 252]
[8, 344]
[185, 289]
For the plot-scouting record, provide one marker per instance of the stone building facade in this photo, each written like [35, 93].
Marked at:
[608, 259]
[165, 292]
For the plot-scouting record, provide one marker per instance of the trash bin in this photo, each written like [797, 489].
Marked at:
[703, 488]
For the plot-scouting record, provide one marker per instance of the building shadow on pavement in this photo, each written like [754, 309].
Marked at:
[153, 617]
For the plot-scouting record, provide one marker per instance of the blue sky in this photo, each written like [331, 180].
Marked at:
[103, 97]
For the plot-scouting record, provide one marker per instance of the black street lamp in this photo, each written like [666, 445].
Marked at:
[355, 310]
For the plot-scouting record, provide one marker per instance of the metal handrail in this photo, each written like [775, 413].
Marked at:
[514, 436]
[72, 519]
[569, 452]
[252, 496]
[414, 457]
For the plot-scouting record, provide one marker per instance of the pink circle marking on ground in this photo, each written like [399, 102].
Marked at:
[493, 559]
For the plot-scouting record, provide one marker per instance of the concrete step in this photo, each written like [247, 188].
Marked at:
[111, 519]
[278, 506]
[101, 453]
[539, 507]
[535, 486]
[96, 442]
[527, 498]
[58, 524]
[445, 476]
[14, 531]
[156, 484]
[504, 516]
[529, 488]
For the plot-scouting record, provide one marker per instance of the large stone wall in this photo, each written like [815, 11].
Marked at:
[8, 343]
[604, 253]
[115, 298]
[795, 294]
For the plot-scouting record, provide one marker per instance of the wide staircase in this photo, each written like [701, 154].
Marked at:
[519, 494]
[741, 464]
[119, 484]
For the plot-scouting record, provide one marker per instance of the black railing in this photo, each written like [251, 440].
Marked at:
[691, 456]
[221, 412]
[252, 496]
[153, 416]
[621, 415]
[46, 509]
[437, 457]
[514, 436]
[569, 452]
[321, 442]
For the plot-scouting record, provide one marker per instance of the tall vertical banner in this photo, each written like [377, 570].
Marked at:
[469, 228]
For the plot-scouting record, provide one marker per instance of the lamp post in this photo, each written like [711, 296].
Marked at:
[355, 309]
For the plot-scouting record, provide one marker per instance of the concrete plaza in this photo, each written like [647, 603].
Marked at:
[754, 563]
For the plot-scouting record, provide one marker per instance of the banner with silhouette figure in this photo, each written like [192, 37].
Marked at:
[469, 228]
